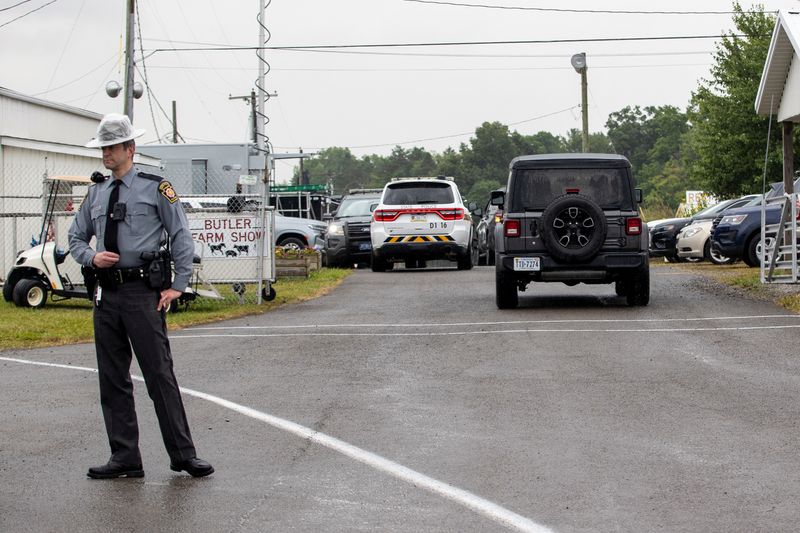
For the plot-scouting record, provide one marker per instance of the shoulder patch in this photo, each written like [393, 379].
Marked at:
[147, 176]
[167, 191]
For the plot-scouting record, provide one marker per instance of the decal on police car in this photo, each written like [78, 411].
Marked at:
[166, 190]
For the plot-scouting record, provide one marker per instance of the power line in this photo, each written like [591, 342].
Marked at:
[15, 5]
[428, 54]
[564, 10]
[79, 78]
[454, 43]
[459, 134]
[455, 69]
[28, 13]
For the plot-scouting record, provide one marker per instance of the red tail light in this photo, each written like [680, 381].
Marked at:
[511, 228]
[388, 215]
[451, 214]
[633, 226]
[385, 215]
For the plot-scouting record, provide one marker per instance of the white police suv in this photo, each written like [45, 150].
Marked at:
[420, 219]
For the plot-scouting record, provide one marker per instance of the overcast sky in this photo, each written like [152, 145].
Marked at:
[368, 99]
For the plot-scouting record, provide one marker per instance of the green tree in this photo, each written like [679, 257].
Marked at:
[652, 139]
[339, 166]
[599, 143]
[727, 138]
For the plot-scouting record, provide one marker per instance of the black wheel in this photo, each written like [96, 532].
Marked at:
[716, 257]
[412, 263]
[573, 228]
[8, 290]
[672, 258]
[621, 287]
[465, 261]
[378, 264]
[754, 250]
[268, 295]
[30, 293]
[506, 296]
[292, 243]
[476, 254]
[639, 289]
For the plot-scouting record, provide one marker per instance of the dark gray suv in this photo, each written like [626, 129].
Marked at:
[572, 218]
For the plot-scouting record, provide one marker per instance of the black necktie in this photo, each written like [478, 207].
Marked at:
[110, 240]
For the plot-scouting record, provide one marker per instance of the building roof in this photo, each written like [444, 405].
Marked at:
[783, 49]
[52, 105]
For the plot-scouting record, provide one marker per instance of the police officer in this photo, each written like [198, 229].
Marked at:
[128, 214]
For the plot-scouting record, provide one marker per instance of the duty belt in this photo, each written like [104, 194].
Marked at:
[118, 276]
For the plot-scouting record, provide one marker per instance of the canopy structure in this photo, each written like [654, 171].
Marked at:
[779, 90]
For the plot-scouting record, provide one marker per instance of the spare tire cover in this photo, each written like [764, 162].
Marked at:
[573, 228]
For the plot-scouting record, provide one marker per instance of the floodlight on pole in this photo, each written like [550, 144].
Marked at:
[579, 64]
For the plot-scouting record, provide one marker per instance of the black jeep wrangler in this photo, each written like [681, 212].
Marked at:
[572, 218]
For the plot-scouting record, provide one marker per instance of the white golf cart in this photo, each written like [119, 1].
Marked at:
[40, 271]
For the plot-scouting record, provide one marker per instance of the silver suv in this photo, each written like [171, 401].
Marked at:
[572, 218]
[419, 219]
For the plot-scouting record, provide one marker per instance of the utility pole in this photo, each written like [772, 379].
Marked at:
[579, 64]
[129, 64]
[254, 123]
[174, 122]
[585, 110]
[302, 179]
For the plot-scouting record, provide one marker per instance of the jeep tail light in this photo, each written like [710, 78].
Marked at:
[385, 215]
[633, 226]
[511, 228]
[573, 190]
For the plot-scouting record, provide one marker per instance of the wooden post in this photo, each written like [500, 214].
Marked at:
[788, 157]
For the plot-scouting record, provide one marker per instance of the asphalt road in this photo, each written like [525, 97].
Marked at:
[406, 401]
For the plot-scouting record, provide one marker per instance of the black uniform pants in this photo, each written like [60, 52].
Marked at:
[126, 318]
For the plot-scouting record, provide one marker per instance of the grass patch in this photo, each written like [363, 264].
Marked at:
[70, 321]
[748, 279]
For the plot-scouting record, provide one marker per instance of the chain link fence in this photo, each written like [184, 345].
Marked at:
[227, 216]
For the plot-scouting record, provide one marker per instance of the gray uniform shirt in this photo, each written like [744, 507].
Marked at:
[152, 207]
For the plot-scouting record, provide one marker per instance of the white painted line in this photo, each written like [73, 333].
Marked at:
[480, 505]
[502, 323]
[483, 332]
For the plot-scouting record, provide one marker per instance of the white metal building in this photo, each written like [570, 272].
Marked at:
[38, 139]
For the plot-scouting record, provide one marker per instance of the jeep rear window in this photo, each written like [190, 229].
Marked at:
[534, 189]
[418, 193]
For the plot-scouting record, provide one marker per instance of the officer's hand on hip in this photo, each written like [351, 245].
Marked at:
[167, 295]
[105, 259]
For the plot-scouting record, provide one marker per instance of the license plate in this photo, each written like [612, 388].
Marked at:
[527, 264]
[419, 218]
[365, 246]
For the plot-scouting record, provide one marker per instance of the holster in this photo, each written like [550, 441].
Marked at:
[89, 279]
[159, 272]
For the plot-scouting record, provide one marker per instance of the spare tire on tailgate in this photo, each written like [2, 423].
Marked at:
[573, 228]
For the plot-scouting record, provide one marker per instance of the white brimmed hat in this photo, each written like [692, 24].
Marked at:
[114, 129]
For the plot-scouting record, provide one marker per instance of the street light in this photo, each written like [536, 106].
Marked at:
[579, 64]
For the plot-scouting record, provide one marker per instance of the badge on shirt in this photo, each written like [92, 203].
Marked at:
[166, 190]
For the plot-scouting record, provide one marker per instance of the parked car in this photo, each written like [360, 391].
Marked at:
[291, 232]
[737, 232]
[420, 219]
[347, 237]
[694, 240]
[485, 231]
[664, 236]
[571, 218]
